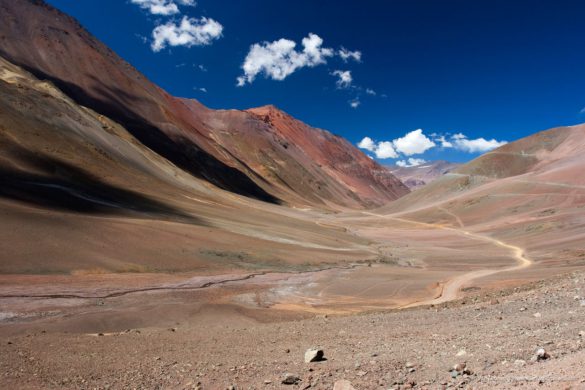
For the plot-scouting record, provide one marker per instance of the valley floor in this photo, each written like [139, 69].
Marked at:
[157, 340]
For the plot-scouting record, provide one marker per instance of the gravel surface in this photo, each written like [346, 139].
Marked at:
[484, 341]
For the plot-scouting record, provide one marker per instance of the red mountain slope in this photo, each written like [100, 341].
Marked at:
[263, 153]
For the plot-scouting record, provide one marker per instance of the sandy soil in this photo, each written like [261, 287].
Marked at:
[186, 339]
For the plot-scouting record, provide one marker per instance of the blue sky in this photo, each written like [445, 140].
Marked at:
[458, 70]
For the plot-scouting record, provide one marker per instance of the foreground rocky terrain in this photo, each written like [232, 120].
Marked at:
[492, 337]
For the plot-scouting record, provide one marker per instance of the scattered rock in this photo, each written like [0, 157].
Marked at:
[540, 355]
[537, 315]
[314, 355]
[523, 309]
[343, 385]
[409, 365]
[461, 353]
[290, 379]
[460, 369]
[520, 362]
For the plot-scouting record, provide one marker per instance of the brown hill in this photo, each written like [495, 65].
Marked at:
[263, 153]
[530, 192]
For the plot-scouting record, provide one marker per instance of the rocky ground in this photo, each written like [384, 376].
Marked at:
[528, 337]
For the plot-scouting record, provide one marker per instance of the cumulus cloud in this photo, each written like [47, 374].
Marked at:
[344, 78]
[189, 32]
[479, 145]
[444, 143]
[382, 150]
[411, 162]
[367, 143]
[279, 59]
[355, 103]
[385, 149]
[414, 142]
[347, 55]
[370, 91]
[162, 7]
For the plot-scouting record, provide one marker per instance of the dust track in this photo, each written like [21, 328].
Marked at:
[450, 290]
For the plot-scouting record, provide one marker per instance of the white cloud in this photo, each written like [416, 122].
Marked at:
[382, 150]
[346, 55]
[345, 78]
[201, 89]
[163, 7]
[367, 143]
[355, 103]
[279, 59]
[479, 145]
[370, 91]
[190, 32]
[444, 143]
[414, 142]
[411, 162]
[582, 111]
[385, 149]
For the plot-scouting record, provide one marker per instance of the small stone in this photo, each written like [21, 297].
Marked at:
[343, 385]
[290, 379]
[523, 309]
[459, 367]
[520, 362]
[409, 365]
[540, 355]
[537, 315]
[582, 333]
[314, 355]
[461, 353]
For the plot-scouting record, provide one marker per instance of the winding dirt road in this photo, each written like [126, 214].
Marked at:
[450, 289]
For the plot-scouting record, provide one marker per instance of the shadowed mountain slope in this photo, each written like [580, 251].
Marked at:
[242, 152]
